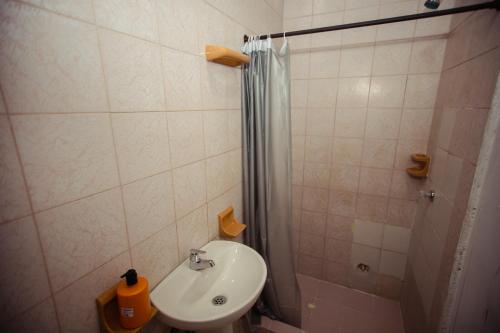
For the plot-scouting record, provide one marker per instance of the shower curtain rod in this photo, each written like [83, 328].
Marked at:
[486, 5]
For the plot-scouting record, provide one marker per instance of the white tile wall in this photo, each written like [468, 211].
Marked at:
[380, 85]
[109, 113]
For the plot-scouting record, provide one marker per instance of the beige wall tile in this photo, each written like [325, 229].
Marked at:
[317, 149]
[338, 251]
[421, 90]
[136, 18]
[157, 256]
[222, 131]
[339, 227]
[62, 74]
[391, 59]
[336, 273]
[345, 178]
[404, 187]
[192, 231]
[178, 23]
[356, 61]
[347, 151]
[223, 172]
[368, 233]
[416, 124]
[26, 283]
[320, 122]
[396, 239]
[185, 130]
[313, 245]
[41, 318]
[315, 199]
[316, 174]
[401, 212]
[324, 64]
[181, 73]
[313, 223]
[383, 123]
[350, 122]
[79, 237]
[325, 6]
[353, 92]
[311, 266]
[342, 203]
[375, 181]
[142, 145]
[379, 153]
[133, 73]
[298, 93]
[427, 56]
[75, 305]
[149, 206]
[220, 86]
[322, 93]
[298, 119]
[387, 91]
[190, 188]
[65, 157]
[13, 194]
[295, 8]
[371, 207]
[82, 9]
[392, 264]
[299, 66]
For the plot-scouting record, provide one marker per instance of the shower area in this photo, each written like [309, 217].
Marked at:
[363, 100]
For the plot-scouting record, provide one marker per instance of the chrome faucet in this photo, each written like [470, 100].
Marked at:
[196, 263]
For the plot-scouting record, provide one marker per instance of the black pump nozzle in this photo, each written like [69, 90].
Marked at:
[130, 276]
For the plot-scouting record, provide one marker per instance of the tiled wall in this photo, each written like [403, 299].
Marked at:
[119, 145]
[363, 101]
[471, 66]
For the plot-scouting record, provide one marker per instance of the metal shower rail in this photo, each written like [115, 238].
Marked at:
[486, 5]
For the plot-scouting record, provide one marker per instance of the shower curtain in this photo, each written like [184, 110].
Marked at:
[267, 175]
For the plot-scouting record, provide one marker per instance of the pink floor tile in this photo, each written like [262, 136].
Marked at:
[338, 309]
[327, 313]
[279, 327]
[332, 292]
[359, 300]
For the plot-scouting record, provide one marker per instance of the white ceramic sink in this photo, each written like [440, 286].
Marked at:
[184, 297]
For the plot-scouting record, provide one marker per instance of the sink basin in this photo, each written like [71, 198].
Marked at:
[213, 298]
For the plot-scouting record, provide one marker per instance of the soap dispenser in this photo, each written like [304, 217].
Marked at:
[133, 300]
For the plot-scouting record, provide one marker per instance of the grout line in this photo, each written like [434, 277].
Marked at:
[113, 138]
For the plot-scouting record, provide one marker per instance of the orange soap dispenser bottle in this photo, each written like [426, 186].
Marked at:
[133, 300]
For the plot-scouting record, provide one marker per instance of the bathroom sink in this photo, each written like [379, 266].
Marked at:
[213, 298]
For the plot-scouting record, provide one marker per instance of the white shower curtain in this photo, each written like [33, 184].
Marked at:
[267, 174]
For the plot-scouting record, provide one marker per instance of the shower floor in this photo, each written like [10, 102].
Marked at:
[331, 308]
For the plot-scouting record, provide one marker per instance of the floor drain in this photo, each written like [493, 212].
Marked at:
[219, 300]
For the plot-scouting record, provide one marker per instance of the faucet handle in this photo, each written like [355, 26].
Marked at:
[196, 251]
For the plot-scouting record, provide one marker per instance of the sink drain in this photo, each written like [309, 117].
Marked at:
[219, 300]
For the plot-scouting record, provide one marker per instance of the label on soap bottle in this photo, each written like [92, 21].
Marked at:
[127, 312]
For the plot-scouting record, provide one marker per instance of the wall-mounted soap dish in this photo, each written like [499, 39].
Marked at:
[224, 56]
[107, 307]
[422, 169]
[228, 225]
